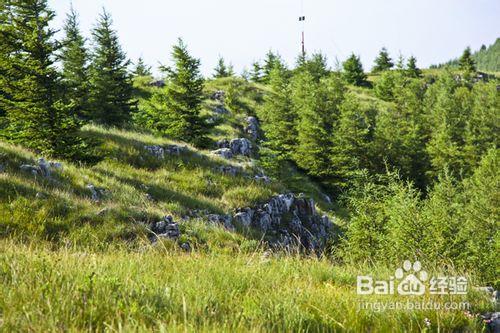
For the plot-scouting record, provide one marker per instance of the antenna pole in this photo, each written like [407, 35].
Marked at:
[303, 44]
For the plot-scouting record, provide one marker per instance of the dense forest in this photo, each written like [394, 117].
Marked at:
[408, 156]
[486, 58]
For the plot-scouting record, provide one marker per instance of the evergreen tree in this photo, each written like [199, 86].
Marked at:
[412, 70]
[317, 65]
[37, 115]
[141, 69]
[75, 66]
[270, 61]
[466, 62]
[383, 62]
[7, 46]
[482, 130]
[278, 115]
[256, 72]
[223, 70]
[353, 71]
[175, 110]
[350, 143]
[399, 138]
[317, 107]
[111, 85]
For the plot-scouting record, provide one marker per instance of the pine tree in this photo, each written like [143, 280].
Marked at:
[37, 115]
[350, 143]
[256, 72]
[141, 69]
[278, 115]
[317, 107]
[175, 110]
[466, 62]
[383, 62]
[317, 65]
[270, 61]
[482, 130]
[412, 70]
[223, 70]
[7, 46]
[353, 71]
[111, 85]
[74, 59]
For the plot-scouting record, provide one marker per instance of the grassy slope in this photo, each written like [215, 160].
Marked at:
[67, 263]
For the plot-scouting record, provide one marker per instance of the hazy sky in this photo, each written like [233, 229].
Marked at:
[244, 30]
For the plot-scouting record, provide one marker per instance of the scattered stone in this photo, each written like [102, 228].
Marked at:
[218, 96]
[228, 170]
[253, 127]
[186, 247]
[492, 321]
[43, 169]
[262, 178]
[175, 150]
[97, 194]
[224, 220]
[220, 109]
[149, 197]
[157, 83]
[224, 153]
[2, 168]
[223, 143]
[159, 152]
[40, 195]
[166, 228]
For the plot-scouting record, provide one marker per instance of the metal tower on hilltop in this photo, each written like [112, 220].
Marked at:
[302, 19]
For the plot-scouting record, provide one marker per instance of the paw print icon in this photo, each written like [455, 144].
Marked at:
[413, 278]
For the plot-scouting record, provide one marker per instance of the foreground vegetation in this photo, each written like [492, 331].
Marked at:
[161, 289]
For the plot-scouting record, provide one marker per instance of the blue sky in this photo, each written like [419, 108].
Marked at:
[242, 30]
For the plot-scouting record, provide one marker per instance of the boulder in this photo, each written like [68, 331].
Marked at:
[224, 153]
[492, 321]
[262, 178]
[241, 146]
[253, 127]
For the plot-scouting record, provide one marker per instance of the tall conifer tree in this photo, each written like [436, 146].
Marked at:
[111, 86]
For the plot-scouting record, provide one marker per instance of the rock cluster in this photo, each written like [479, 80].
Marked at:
[253, 127]
[43, 169]
[289, 220]
[238, 146]
[159, 152]
[166, 228]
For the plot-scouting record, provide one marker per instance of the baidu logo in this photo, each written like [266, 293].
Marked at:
[411, 280]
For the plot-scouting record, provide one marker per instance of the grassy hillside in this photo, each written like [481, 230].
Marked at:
[69, 263]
